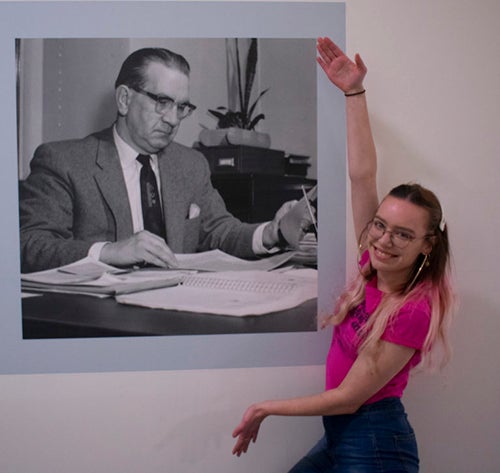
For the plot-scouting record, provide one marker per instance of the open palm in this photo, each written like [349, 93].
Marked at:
[345, 74]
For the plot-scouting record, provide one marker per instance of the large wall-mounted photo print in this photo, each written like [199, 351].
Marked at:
[228, 131]
[174, 193]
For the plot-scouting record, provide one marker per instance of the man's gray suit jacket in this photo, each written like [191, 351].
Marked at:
[75, 196]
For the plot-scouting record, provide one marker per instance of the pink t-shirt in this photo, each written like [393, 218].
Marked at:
[409, 328]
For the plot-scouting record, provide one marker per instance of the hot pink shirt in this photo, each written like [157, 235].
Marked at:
[409, 328]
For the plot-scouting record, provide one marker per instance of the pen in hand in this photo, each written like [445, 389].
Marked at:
[309, 209]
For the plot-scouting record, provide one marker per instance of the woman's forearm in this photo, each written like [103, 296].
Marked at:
[369, 373]
[331, 402]
[361, 153]
[361, 162]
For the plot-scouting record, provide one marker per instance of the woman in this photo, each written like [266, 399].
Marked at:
[389, 319]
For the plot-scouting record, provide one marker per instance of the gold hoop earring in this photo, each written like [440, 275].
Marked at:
[360, 254]
[362, 248]
[425, 263]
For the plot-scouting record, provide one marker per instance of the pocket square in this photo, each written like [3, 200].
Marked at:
[194, 211]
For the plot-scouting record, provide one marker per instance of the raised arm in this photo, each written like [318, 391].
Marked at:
[348, 76]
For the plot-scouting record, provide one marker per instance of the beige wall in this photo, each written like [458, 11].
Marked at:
[433, 68]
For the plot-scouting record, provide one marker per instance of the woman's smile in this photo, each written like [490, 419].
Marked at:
[381, 254]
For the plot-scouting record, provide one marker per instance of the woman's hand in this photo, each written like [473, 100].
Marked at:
[345, 74]
[248, 429]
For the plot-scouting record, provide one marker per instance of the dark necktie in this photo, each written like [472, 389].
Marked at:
[150, 198]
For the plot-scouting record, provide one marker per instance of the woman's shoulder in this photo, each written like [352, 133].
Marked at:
[419, 299]
[420, 304]
[410, 324]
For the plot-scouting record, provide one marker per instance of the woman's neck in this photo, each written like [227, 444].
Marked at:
[390, 282]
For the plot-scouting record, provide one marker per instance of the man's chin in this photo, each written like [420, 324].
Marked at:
[161, 143]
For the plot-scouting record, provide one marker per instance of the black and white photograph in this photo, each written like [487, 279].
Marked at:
[167, 186]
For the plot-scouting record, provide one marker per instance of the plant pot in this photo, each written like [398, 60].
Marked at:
[234, 136]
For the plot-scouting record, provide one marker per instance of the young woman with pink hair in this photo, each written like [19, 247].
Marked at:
[392, 317]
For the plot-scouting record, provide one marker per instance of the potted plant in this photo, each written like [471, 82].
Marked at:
[236, 125]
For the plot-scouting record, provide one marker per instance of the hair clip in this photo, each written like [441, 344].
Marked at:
[442, 224]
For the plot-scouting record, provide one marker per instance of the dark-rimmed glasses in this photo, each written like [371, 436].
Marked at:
[400, 238]
[164, 103]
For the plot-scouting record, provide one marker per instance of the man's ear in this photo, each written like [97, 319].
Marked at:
[122, 97]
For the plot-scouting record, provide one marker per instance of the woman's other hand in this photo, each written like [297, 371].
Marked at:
[247, 430]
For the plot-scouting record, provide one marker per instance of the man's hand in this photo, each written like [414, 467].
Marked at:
[142, 247]
[270, 237]
[295, 223]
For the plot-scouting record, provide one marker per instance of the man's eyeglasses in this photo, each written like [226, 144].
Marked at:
[400, 238]
[164, 103]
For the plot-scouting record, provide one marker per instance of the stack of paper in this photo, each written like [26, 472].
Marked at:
[94, 278]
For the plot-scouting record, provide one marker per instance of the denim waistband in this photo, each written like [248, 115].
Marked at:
[386, 415]
[389, 403]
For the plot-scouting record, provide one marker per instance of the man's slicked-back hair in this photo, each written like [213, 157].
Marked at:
[132, 71]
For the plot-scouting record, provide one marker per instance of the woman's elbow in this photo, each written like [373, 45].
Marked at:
[352, 407]
[345, 404]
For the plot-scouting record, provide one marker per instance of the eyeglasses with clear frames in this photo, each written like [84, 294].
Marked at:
[400, 238]
[164, 103]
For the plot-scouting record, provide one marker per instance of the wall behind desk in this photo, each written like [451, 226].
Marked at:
[67, 88]
[434, 101]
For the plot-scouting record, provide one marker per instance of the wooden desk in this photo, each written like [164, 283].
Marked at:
[75, 316]
[252, 198]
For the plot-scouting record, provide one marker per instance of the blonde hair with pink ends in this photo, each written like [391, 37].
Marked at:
[436, 351]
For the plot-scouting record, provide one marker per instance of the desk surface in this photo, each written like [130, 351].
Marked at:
[71, 316]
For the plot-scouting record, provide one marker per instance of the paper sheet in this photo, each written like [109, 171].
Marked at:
[216, 260]
[235, 293]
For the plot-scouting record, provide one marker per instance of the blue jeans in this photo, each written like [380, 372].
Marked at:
[376, 439]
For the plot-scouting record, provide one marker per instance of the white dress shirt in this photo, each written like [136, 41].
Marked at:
[131, 169]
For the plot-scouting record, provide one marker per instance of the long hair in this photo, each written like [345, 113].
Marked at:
[430, 283]
[132, 71]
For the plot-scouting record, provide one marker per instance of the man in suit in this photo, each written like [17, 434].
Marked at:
[83, 197]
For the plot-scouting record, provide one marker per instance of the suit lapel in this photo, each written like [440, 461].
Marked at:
[173, 198]
[109, 178]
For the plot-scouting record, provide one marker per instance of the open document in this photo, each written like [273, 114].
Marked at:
[216, 260]
[236, 293]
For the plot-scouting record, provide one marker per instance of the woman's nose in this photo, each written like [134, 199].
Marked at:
[386, 238]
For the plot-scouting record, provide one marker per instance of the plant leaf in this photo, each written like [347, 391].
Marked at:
[243, 118]
[252, 108]
[250, 74]
[217, 114]
[238, 69]
[256, 120]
